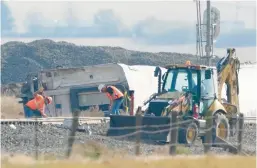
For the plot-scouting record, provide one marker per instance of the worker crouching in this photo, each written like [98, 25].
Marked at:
[36, 106]
[115, 95]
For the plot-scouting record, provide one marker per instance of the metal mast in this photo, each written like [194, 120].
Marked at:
[199, 38]
[206, 32]
[208, 47]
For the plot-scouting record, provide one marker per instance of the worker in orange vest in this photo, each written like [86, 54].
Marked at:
[115, 95]
[36, 106]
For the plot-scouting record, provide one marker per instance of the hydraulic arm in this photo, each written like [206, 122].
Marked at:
[228, 69]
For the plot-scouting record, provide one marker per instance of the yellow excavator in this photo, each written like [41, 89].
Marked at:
[194, 92]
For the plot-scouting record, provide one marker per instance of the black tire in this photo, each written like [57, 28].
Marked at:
[219, 119]
[183, 133]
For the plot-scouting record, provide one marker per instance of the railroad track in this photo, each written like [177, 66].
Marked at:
[82, 120]
[55, 120]
[250, 120]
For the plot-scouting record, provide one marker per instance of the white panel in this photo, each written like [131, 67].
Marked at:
[66, 108]
[88, 75]
[91, 99]
[58, 92]
[215, 78]
[64, 100]
[141, 79]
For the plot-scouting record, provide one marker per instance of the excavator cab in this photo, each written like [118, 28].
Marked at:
[188, 81]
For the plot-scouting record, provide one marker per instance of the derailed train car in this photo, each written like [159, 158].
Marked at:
[76, 88]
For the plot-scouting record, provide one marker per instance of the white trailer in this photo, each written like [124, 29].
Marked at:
[76, 88]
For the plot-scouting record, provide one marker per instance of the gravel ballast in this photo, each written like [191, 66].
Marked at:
[53, 140]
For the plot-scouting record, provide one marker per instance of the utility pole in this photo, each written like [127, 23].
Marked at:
[208, 34]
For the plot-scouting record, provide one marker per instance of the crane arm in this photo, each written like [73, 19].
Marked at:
[228, 69]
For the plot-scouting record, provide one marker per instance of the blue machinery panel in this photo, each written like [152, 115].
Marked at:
[58, 106]
[74, 99]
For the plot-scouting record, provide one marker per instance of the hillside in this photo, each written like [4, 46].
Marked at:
[19, 59]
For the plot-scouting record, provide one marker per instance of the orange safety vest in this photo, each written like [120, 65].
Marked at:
[116, 92]
[38, 103]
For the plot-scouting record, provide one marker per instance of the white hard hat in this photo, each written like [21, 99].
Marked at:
[50, 99]
[100, 87]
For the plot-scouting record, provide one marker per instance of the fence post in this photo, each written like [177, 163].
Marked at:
[208, 133]
[173, 132]
[36, 141]
[132, 98]
[240, 132]
[75, 122]
[138, 129]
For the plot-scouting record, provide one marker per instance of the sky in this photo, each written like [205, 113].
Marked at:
[129, 12]
[149, 23]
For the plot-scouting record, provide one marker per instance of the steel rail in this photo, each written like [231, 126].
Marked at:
[54, 120]
[60, 120]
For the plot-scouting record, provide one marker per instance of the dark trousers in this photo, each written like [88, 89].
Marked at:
[115, 110]
[31, 113]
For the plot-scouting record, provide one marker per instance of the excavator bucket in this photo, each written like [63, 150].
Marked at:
[152, 128]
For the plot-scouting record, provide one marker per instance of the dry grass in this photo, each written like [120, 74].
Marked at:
[91, 150]
[180, 150]
[95, 150]
[11, 108]
[139, 162]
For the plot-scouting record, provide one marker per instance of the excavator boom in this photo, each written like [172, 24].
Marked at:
[228, 69]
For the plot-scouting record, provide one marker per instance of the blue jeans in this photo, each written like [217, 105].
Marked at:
[31, 113]
[116, 106]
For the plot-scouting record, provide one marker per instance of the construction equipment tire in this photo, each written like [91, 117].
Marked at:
[220, 128]
[188, 133]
